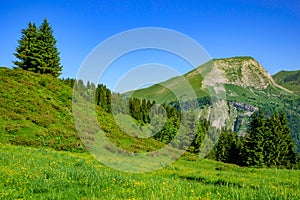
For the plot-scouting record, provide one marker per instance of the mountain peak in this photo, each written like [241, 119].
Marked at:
[242, 71]
[237, 58]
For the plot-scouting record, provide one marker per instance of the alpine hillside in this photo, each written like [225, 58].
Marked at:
[289, 79]
[243, 87]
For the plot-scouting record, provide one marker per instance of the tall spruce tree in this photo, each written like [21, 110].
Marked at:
[269, 142]
[280, 146]
[28, 49]
[228, 147]
[255, 140]
[37, 50]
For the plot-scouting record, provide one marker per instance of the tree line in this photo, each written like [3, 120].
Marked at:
[268, 143]
[101, 95]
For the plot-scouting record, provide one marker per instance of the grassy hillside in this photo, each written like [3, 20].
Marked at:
[289, 79]
[36, 110]
[168, 91]
[244, 72]
[30, 173]
[174, 88]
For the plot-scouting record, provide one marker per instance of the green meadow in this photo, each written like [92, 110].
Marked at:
[42, 173]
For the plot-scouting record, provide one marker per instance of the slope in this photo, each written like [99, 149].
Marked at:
[36, 110]
[248, 87]
[289, 79]
[243, 72]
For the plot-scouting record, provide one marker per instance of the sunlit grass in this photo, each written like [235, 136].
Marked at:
[29, 173]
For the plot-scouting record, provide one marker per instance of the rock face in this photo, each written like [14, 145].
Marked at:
[244, 72]
[240, 71]
[243, 106]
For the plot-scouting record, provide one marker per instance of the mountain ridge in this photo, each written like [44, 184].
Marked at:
[241, 71]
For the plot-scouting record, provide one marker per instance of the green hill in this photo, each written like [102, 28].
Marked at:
[289, 79]
[36, 110]
[169, 90]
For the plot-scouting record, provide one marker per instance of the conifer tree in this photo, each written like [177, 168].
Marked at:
[103, 97]
[269, 142]
[49, 55]
[279, 148]
[255, 140]
[227, 149]
[37, 50]
[28, 50]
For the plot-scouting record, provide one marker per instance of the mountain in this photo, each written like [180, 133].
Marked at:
[241, 72]
[289, 79]
[242, 86]
[36, 110]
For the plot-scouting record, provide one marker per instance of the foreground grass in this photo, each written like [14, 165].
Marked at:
[30, 173]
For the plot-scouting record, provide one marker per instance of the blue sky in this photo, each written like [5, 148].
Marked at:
[267, 30]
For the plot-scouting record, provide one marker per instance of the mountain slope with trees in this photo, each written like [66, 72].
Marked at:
[248, 87]
[36, 110]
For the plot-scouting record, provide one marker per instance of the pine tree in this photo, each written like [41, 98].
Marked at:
[103, 97]
[254, 141]
[37, 50]
[227, 149]
[49, 55]
[281, 148]
[28, 49]
[195, 147]
[269, 142]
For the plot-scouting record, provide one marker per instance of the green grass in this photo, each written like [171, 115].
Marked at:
[36, 110]
[178, 88]
[31, 173]
[289, 80]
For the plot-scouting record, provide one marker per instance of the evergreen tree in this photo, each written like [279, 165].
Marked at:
[269, 142]
[227, 149]
[37, 50]
[280, 149]
[28, 50]
[253, 154]
[103, 97]
[195, 147]
[49, 55]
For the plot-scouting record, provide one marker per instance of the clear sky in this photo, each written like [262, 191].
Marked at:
[267, 30]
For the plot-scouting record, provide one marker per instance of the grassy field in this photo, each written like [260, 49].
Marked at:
[32, 173]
